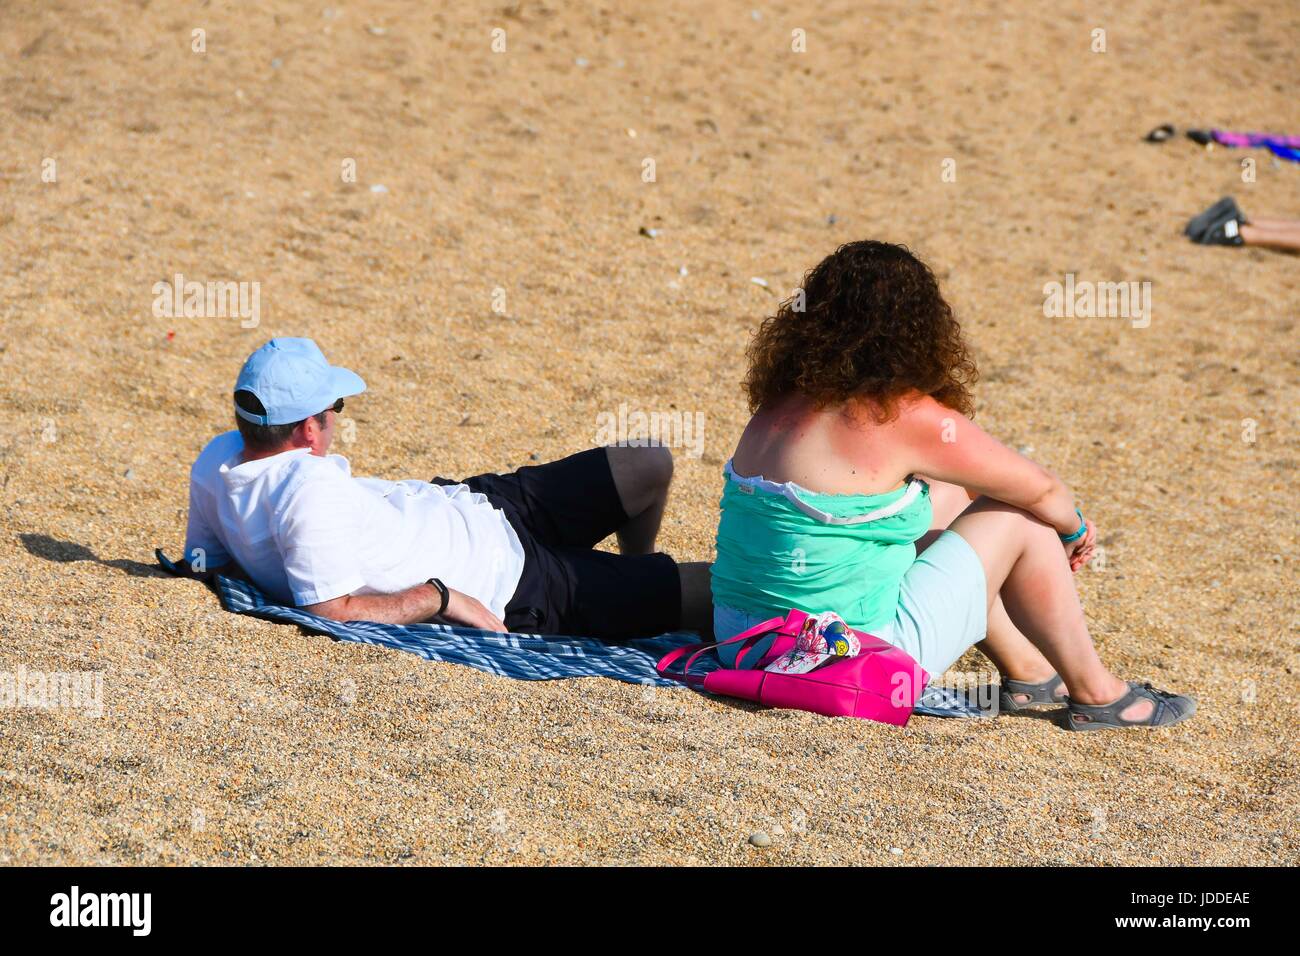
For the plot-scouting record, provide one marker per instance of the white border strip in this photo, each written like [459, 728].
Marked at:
[790, 491]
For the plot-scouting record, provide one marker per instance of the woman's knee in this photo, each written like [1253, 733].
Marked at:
[986, 504]
[1016, 524]
[947, 501]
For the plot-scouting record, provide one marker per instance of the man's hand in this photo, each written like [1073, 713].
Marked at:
[463, 609]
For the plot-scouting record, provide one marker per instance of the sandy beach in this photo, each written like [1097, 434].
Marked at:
[502, 273]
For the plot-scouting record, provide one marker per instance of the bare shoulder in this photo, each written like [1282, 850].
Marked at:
[940, 440]
[923, 416]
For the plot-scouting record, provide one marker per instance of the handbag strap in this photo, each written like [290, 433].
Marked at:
[791, 627]
[695, 650]
[791, 623]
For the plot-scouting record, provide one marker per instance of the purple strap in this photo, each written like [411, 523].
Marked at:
[1227, 138]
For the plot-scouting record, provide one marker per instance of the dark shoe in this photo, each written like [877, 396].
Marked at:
[1197, 225]
[1169, 709]
[1220, 225]
[1036, 695]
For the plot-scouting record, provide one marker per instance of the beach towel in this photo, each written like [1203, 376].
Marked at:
[1287, 147]
[520, 656]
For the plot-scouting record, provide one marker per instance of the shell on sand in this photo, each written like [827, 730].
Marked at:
[497, 296]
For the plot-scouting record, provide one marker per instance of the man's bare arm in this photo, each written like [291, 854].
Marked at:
[419, 603]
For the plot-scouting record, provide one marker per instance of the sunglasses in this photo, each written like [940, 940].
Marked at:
[337, 406]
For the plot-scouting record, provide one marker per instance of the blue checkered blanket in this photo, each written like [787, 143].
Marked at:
[521, 656]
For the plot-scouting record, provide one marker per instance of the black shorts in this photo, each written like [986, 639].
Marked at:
[561, 511]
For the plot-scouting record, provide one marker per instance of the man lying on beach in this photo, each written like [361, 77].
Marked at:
[502, 552]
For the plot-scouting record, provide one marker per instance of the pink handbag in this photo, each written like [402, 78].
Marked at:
[881, 683]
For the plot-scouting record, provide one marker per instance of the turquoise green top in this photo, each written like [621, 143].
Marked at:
[781, 546]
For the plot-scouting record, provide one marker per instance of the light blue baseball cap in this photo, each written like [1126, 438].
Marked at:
[292, 380]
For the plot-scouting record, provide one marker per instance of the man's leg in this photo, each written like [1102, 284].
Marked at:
[697, 598]
[569, 507]
[1273, 233]
[580, 500]
[642, 477]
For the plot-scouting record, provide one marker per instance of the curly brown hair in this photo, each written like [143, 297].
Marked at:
[874, 326]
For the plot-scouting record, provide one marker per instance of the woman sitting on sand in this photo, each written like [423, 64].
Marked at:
[851, 490]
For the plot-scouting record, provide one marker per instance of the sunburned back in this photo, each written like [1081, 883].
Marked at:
[837, 450]
[816, 513]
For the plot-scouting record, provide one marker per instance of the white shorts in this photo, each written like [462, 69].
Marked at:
[942, 609]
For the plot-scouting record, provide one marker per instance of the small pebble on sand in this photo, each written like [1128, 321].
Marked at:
[760, 839]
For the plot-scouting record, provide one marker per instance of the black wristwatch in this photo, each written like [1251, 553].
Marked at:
[446, 595]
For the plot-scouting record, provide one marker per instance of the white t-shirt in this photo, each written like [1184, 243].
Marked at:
[306, 531]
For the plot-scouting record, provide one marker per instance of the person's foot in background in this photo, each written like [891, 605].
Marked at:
[1220, 225]
[1224, 224]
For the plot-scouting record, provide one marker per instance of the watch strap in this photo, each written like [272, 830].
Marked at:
[444, 591]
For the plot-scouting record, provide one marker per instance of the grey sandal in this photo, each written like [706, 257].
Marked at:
[1169, 709]
[1038, 694]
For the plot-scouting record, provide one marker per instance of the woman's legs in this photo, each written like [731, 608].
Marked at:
[1026, 565]
[1011, 652]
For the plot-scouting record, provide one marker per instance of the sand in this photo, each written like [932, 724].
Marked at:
[519, 175]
